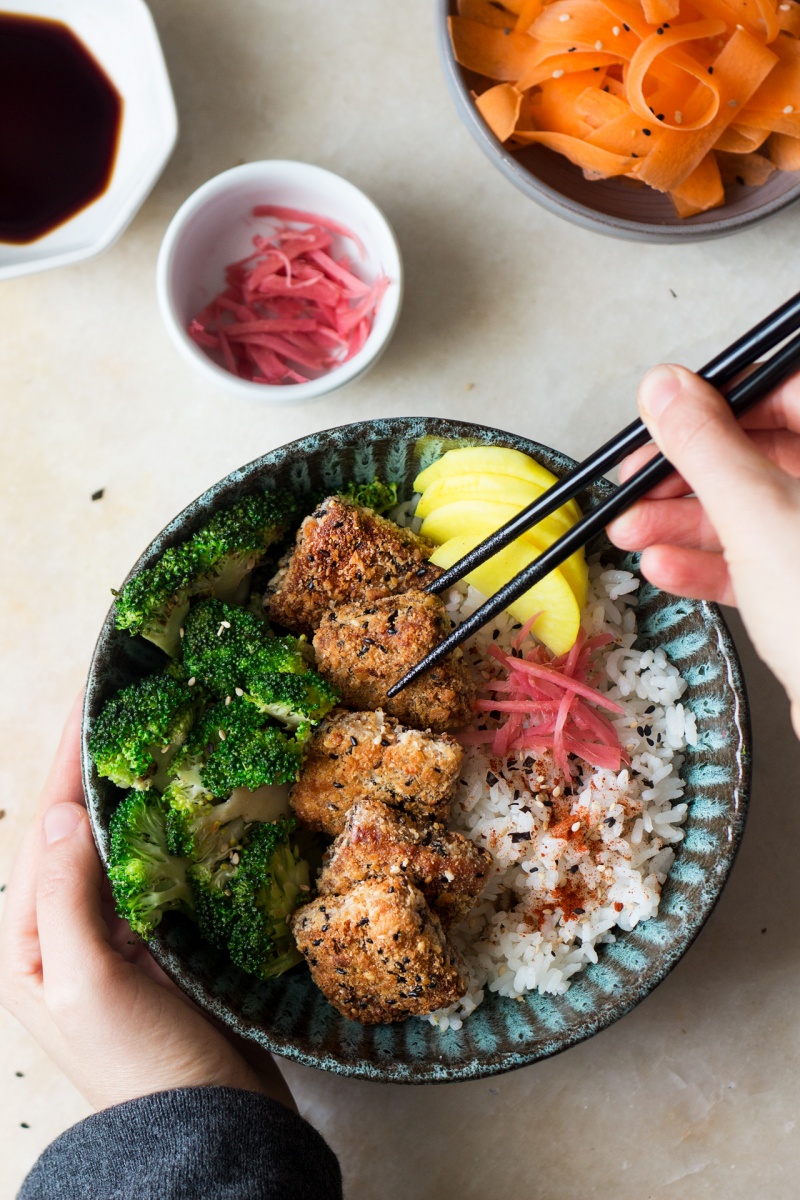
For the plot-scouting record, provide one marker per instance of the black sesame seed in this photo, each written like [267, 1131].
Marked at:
[491, 778]
[317, 942]
[24, 1125]
[646, 132]
[98, 495]
[711, 70]
[353, 741]
[364, 921]
[520, 837]
[578, 912]
[650, 709]
[610, 821]
[740, 180]
[338, 785]
[572, 870]
[627, 28]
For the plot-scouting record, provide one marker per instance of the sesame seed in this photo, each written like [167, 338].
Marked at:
[615, 31]
[564, 17]
[711, 70]
[181, 632]
[235, 859]
[627, 28]
[785, 7]
[227, 701]
[238, 691]
[678, 118]
[557, 74]
[221, 734]
[646, 132]
[598, 45]
[226, 624]
[575, 827]
[192, 681]
[789, 108]
[221, 630]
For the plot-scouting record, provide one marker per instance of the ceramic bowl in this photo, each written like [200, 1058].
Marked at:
[617, 207]
[215, 226]
[123, 40]
[289, 1015]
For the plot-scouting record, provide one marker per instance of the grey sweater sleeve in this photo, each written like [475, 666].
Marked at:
[209, 1143]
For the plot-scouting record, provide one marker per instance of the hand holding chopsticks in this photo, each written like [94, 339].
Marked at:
[722, 370]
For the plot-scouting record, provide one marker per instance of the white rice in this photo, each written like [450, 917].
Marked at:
[524, 935]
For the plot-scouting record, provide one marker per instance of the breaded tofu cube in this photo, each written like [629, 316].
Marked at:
[365, 647]
[344, 552]
[379, 842]
[378, 953]
[352, 755]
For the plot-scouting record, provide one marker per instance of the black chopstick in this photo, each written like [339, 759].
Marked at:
[719, 372]
[741, 398]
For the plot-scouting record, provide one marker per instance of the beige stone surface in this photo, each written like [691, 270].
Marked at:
[511, 317]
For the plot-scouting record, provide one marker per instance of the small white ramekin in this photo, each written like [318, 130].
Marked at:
[215, 227]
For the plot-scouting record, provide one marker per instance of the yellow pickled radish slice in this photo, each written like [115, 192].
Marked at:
[494, 460]
[553, 598]
[480, 518]
[497, 489]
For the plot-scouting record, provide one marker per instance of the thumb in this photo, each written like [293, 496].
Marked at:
[73, 936]
[693, 427]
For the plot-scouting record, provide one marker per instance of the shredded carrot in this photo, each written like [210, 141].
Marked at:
[785, 152]
[290, 311]
[499, 108]
[664, 92]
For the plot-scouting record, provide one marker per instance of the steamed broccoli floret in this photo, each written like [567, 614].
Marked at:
[268, 886]
[224, 645]
[146, 880]
[230, 651]
[137, 724]
[244, 902]
[294, 700]
[380, 497]
[233, 746]
[215, 561]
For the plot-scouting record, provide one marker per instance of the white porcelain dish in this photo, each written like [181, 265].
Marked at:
[215, 226]
[121, 36]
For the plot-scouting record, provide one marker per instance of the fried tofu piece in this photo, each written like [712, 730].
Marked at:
[378, 842]
[365, 647]
[344, 552]
[352, 755]
[378, 953]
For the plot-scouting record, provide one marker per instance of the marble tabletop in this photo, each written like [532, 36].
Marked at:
[511, 317]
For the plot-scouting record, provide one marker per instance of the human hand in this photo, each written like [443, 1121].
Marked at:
[728, 527]
[84, 986]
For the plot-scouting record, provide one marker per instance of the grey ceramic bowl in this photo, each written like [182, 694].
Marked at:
[289, 1015]
[616, 207]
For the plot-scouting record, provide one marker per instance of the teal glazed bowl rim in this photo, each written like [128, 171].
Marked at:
[288, 1015]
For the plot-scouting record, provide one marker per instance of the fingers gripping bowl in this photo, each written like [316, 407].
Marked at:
[289, 1014]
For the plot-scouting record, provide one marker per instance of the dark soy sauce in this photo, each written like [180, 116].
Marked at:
[60, 118]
